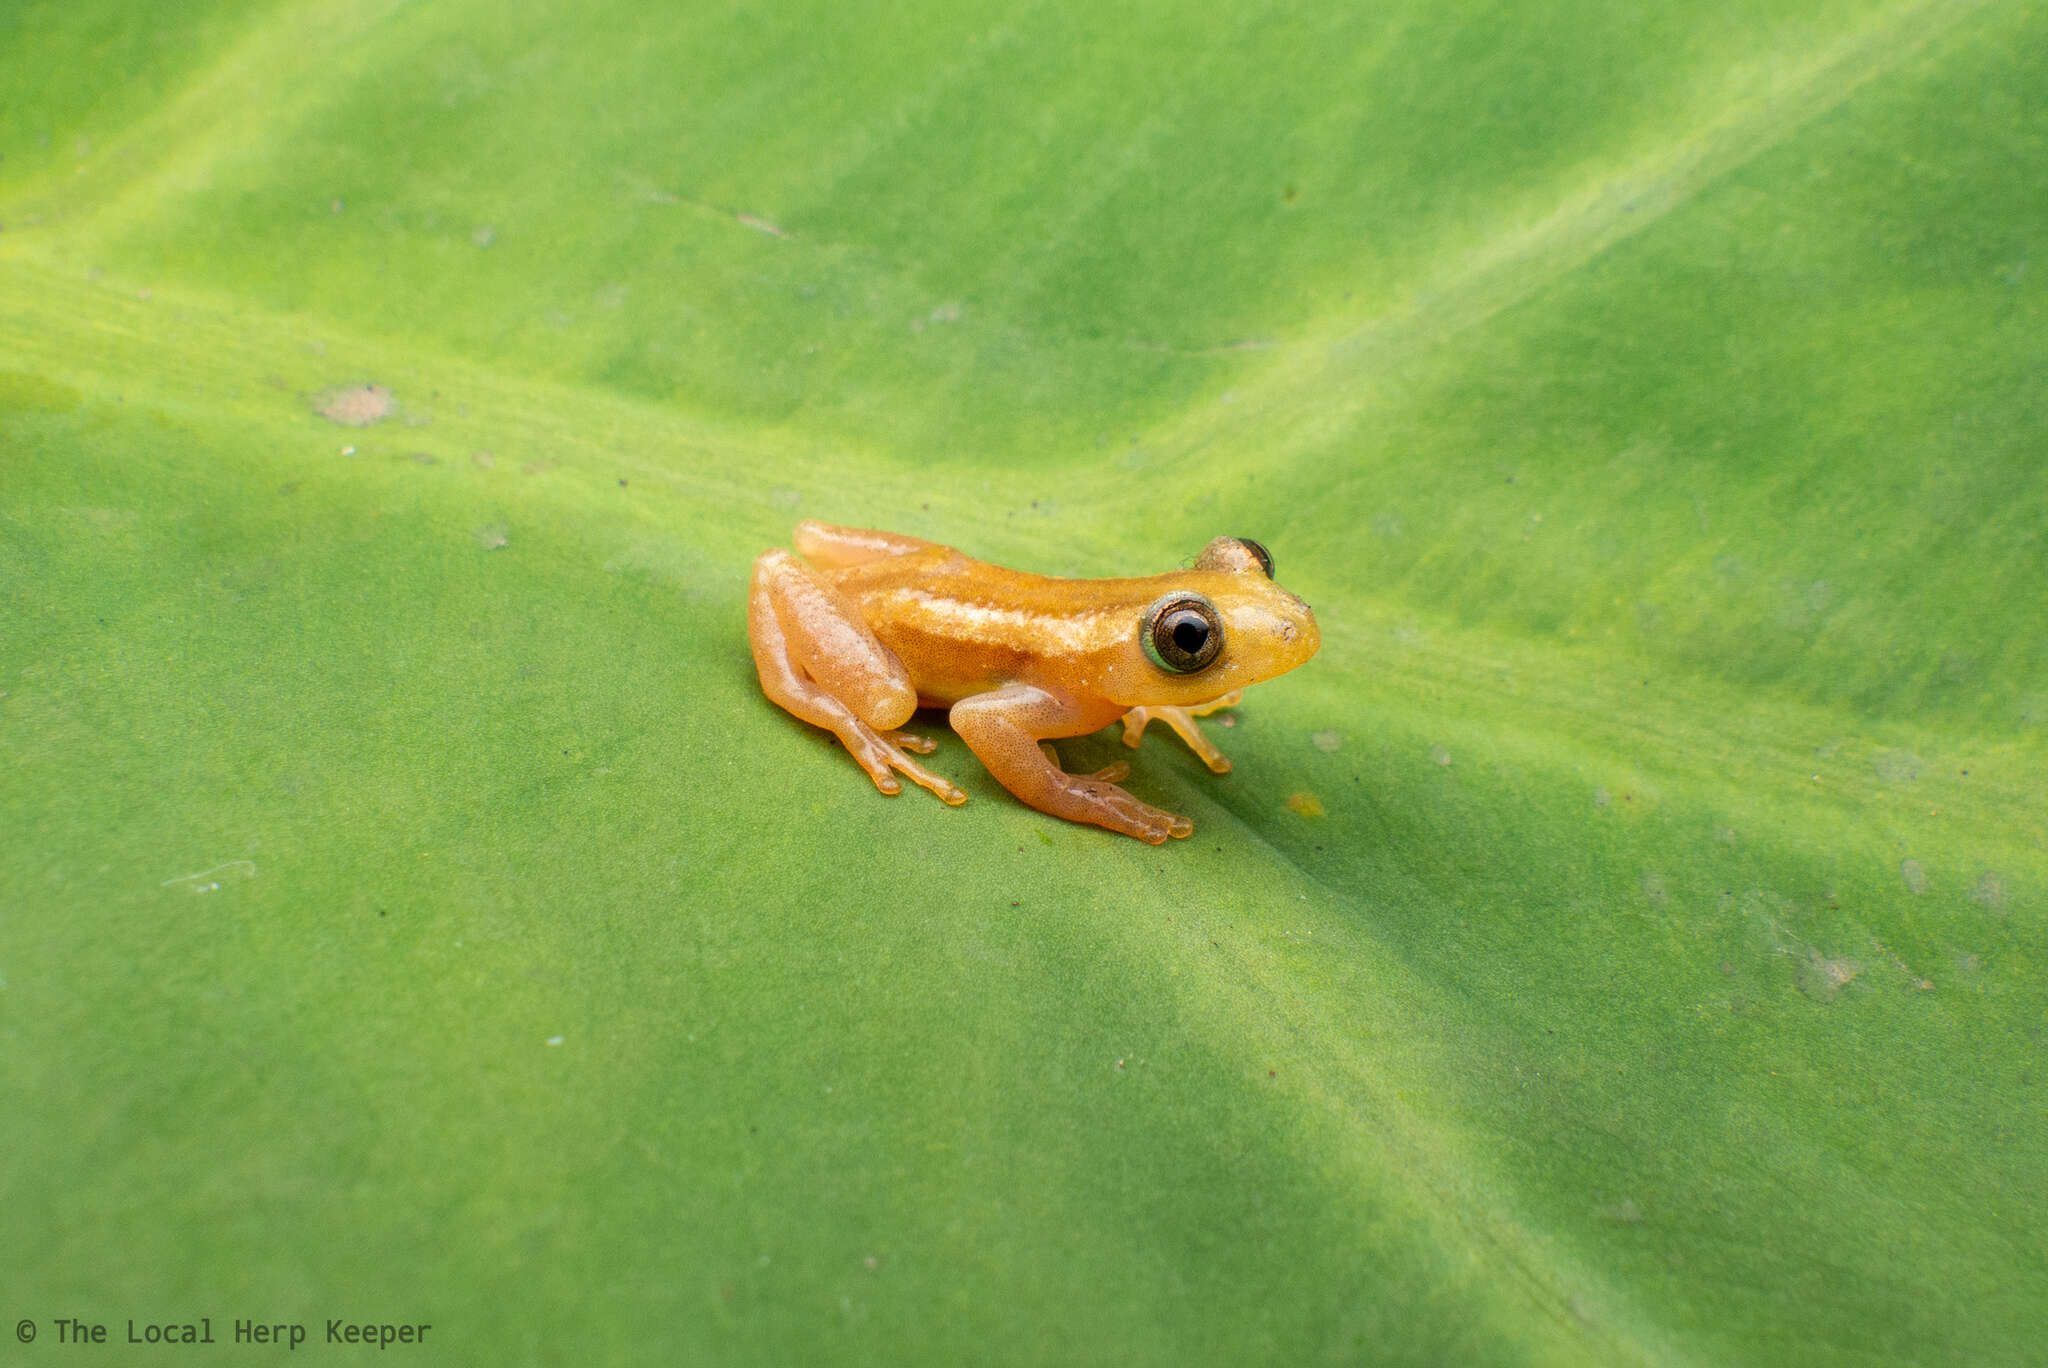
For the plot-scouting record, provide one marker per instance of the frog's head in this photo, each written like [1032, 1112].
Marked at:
[1220, 626]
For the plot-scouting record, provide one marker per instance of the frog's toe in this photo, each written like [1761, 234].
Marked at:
[880, 771]
[1229, 700]
[951, 796]
[1110, 774]
[911, 741]
[1168, 824]
[1175, 826]
[922, 777]
[1116, 809]
[1182, 721]
[882, 758]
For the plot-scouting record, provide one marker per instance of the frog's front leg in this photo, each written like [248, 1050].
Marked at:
[1182, 720]
[1003, 728]
[817, 659]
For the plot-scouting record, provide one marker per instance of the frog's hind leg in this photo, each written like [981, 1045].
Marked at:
[1182, 720]
[817, 659]
[1004, 727]
[830, 547]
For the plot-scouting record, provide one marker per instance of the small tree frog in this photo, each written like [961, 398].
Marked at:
[877, 625]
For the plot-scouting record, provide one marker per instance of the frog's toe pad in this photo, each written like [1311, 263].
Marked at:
[1178, 827]
[1107, 805]
[911, 741]
[925, 779]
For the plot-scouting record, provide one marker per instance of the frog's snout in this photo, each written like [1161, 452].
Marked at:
[1300, 635]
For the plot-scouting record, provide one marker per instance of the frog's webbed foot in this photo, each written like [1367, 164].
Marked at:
[1003, 728]
[879, 752]
[1106, 805]
[1182, 721]
[817, 659]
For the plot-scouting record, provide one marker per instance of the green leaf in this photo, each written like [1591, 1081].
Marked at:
[1622, 944]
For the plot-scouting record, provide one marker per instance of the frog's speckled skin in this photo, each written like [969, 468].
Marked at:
[878, 625]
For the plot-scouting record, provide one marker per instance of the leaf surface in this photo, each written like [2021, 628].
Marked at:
[1622, 944]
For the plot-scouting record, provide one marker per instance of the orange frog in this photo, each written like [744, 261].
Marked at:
[878, 625]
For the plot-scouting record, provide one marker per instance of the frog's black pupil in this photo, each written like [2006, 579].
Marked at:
[1183, 633]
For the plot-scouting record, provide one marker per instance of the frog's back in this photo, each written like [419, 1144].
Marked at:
[962, 626]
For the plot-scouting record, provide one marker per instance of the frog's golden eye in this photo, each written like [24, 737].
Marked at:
[1182, 633]
[1260, 553]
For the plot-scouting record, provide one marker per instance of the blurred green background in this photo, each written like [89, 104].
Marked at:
[1622, 944]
